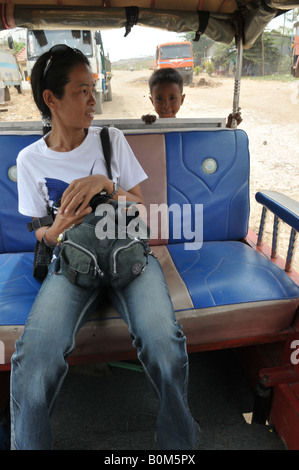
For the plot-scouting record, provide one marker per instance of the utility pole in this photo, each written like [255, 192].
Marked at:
[263, 55]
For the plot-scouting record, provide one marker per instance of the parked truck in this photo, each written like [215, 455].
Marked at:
[89, 42]
[295, 58]
[10, 73]
[178, 55]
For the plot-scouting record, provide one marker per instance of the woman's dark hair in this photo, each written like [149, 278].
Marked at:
[167, 75]
[51, 72]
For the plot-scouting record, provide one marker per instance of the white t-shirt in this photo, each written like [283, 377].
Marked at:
[43, 174]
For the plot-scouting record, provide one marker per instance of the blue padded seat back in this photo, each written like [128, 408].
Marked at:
[18, 287]
[14, 236]
[212, 170]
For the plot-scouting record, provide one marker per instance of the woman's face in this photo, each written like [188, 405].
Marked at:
[77, 107]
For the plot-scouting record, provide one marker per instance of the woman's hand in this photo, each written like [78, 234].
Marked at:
[76, 197]
[61, 223]
[75, 204]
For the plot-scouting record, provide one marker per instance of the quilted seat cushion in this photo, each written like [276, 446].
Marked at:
[230, 272]
[235, 291]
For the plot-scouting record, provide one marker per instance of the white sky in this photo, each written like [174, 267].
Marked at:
[140, 42]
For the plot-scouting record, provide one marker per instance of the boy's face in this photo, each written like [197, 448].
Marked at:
[167, 99]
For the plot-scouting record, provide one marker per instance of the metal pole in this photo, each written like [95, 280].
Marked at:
[238, 74]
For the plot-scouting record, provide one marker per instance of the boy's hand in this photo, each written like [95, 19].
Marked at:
[236, 116]
[149, 118]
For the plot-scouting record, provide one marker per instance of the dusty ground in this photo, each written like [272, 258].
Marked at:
[270, 111]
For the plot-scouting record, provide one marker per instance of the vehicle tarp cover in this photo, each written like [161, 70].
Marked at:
[221, 20]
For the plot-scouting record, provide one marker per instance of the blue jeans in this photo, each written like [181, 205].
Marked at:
[39, 363]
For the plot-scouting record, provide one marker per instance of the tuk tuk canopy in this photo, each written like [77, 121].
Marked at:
[220, 20]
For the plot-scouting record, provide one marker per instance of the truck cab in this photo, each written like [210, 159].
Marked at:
[10, 73]
[177, 55]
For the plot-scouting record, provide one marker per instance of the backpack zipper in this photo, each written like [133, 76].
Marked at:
[135, 240]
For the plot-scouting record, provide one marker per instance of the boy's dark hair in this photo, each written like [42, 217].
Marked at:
[51, 72]
[164, 76]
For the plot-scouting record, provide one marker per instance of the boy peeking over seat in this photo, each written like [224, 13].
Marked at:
[166, 94]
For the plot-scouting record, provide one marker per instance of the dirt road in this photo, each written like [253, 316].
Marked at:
[270, 111]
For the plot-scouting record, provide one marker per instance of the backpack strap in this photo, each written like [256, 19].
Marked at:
[40, 222]
[106, 149]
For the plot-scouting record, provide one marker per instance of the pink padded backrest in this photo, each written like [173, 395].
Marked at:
[150, 152]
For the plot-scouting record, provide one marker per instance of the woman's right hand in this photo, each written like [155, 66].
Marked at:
[62, 222]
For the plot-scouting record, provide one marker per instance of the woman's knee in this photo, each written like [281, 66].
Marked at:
[163, 345]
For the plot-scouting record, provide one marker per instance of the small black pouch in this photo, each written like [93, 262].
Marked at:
[42, 259]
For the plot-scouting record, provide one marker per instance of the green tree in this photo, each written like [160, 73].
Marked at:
[209, 66]
[264, 55]
[224, 54]
[199, 47]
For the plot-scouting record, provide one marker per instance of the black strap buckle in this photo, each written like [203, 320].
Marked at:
[40, 222]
